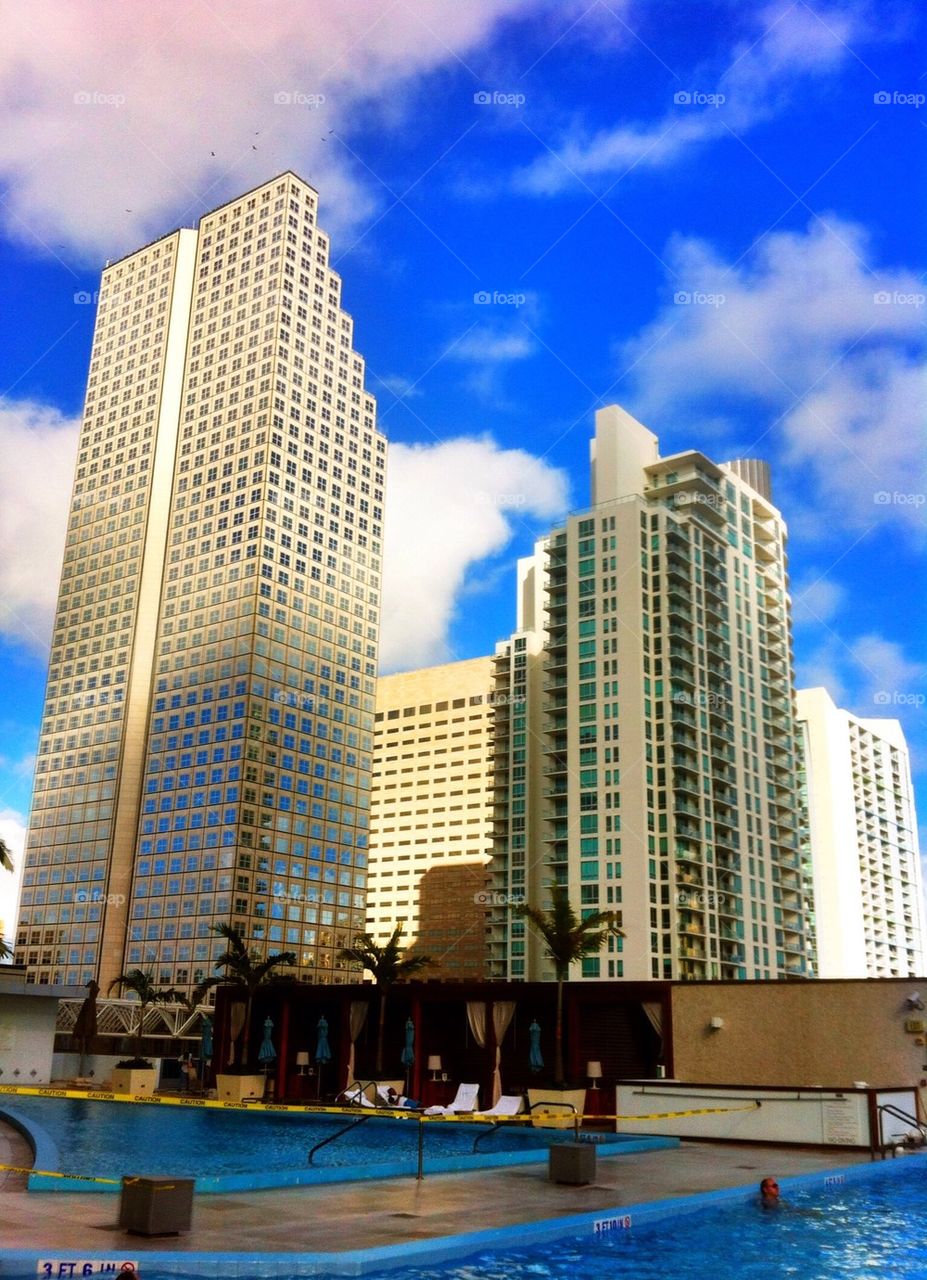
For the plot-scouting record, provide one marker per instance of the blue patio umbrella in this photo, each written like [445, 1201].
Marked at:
[206, 1038]
[323, 1052]
[535, 1061]
[407, 1058]
[267, 1053]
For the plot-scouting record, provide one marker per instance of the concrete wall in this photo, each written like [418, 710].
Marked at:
[799, 1033]
[27, 1037]
[820, 1117]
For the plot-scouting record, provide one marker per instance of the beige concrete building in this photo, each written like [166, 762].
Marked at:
[206, 747]
[862, 849]
[431, 813]
[645, 726]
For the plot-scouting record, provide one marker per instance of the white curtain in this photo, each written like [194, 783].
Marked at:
[236, 1022]
[476, 1016]
[502, 1012]
[356, 1019]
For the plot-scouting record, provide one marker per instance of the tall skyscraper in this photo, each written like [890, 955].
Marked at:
[645, 723]
[205, 750]
[431, 817]
[861, 848]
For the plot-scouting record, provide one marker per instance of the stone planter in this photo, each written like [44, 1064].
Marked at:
[134, 1080]
[572, 1163]
[238, 1088]
[559, 1116]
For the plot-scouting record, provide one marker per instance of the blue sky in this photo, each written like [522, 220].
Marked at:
[707, 212]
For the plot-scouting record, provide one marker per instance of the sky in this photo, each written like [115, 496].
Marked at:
[709, 213]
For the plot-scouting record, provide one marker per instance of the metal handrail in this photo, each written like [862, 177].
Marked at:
[332, 1136]
[897, 1113]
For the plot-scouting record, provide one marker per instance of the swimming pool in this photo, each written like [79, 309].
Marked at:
[238, 1149]
[869, 1228]
[849, 1230]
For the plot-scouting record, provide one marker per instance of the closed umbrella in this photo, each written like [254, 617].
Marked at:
[323, 1051]
[206, 1038]
[535, 1061]
[85, 1028]
[267, 1053]
[407, 1057]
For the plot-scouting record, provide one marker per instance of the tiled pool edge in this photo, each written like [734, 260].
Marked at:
[361, 1262]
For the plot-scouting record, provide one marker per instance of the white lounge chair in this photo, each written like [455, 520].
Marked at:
[466, 1099]
[510, 1104]
[359, 1095]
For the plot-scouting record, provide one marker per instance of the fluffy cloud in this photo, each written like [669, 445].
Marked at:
[178, 106]
[871, 676]
[810, 341]
[449, 507]
[37, 451]
[790, 44]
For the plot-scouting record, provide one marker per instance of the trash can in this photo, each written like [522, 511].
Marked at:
[572, 1162]
[156, 1206]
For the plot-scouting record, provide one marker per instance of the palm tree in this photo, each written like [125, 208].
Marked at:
[388, 965]
[245, 971]
[567, 939]
[6, 862]
[142, 985]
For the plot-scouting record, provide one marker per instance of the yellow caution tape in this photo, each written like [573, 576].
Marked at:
[400, 1113]
[50, 1173]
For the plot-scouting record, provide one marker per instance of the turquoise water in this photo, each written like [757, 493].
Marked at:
[108, 1139]
[863, 1231]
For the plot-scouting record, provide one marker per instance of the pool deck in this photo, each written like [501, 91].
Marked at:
[397, 1211]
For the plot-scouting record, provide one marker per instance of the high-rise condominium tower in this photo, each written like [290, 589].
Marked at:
[645, 724]
[205, 751]
[862, 848]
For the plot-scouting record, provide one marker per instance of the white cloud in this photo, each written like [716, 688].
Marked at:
[871, 676]
[37, 451]
[109, 125]
[816, 600]
[492, 346]
[790, 43]
[450, 506]
[816, 345]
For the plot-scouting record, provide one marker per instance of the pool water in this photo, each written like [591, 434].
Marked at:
[872, 1230]
[110, 1140]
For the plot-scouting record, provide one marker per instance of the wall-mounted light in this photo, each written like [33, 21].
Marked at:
[716, 1023]
[594, 1072]
[914, 1000]
[434, 1065]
